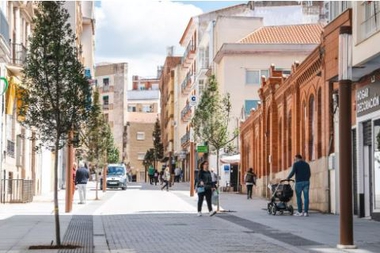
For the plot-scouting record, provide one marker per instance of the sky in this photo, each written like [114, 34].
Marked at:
[139, 31]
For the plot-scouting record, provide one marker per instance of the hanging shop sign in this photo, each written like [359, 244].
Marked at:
[4, 85]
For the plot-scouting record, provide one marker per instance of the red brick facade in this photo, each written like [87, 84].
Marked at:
[295, 117]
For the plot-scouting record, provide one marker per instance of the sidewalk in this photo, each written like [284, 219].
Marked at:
[318, 227]
[22, 225]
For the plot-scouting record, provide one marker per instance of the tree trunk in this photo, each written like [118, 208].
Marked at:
[217, 181]
[56, 207]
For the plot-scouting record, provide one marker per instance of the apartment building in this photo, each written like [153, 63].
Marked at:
[112, 82]
[143, 103]
[17, 158]
[20, 163]
[204, 38]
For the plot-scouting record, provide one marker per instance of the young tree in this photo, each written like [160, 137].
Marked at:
[211, 119]
[157, 143]
[57, 95]
[97, 137]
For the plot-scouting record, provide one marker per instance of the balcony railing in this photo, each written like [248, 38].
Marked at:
[107, 106]
[185, 139]
[186, 113]
[18, 54]
[188, 55]
[4, 27]
[186, 84]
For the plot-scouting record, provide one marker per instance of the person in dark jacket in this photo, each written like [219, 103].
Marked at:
[81, 178]
[302, 171]
[249, 180]
[207, 185]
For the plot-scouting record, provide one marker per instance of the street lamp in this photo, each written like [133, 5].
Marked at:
[345, 157]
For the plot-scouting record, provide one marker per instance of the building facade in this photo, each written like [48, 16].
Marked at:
[143, 109]
[111, 80]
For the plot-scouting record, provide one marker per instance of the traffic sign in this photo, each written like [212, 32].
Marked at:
[193, 100]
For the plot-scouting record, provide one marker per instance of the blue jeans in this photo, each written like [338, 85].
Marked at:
[302, 186]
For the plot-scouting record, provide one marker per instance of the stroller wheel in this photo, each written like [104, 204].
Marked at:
[281, 212]
[269, 208]
[274, 209]
[291, 210]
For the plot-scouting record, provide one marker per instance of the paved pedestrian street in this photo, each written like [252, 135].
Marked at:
[145, 219]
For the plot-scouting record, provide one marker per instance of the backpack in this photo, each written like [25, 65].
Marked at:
[249, 178]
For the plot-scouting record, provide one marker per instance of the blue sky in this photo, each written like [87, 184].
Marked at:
[208, 6]
[139, 31]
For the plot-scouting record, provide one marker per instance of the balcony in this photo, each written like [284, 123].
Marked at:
[18, 54]
[185, 139]
[187, 84]
[189, 55]
[107, 107]
[186, 113]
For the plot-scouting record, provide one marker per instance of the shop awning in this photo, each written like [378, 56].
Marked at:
[230, 159]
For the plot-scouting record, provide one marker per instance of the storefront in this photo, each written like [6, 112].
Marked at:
[367, 174]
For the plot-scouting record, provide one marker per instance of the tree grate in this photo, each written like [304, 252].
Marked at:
[80, 232]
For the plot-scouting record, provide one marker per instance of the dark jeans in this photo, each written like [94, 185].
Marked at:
[165, 185]
[208, 194]
[302, 186]
[249, 191]
[151, 177]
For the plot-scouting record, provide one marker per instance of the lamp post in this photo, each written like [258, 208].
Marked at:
[345, 157]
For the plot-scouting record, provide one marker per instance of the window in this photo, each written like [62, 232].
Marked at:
[311, 128]
[146, 108]
[140, 156]
[106, 100]
[376, 170]
[140, 136]
[254, 76]
[106, 81]
[371, 18]
[131, 108]
[106, 117]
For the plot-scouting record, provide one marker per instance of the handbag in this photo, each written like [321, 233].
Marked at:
[215, 197]
[200, 189]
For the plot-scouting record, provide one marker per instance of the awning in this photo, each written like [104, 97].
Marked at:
[230, 159]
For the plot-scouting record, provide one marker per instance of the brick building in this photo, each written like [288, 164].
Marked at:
[296, 115]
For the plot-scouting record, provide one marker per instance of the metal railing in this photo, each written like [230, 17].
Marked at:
[16, 191]
[18, 54]
[185, 111]
[185, 138]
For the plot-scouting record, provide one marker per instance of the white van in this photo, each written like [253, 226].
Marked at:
[116, 177]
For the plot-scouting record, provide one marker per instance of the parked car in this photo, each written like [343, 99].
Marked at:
[116, 177]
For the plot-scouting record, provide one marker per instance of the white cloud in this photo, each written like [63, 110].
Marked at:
[138, 32]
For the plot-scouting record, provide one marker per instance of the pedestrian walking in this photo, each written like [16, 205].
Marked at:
[249, 180]
[151, 174]
[214, 176]
[81, 178]
[205, 187]
[177, 174]
[74, 171]
[155, 176]
[166, 179]
[301, 170]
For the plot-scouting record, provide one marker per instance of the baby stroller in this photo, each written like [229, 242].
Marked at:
[282, 193]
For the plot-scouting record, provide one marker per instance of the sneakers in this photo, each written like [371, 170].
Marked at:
[305, 214]
[212, 213]
[298, 214]
[199, 214]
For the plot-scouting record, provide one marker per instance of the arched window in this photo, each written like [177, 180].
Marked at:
[279, 151]
[289, 152]
[319, 127]
[311, 128]
[303, 142]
